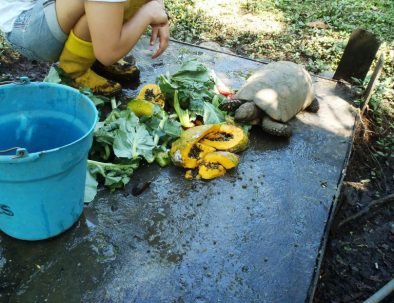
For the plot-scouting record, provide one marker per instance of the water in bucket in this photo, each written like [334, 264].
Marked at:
[39, 132]
[42, 188]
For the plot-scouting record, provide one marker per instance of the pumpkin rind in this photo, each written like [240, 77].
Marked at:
[226, 159]
[210, 171]
[181, 149]
[152, 93]
[141, 108]
[203, 151]
[228, 138]
[189, 175]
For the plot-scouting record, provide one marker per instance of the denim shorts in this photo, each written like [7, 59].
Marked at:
[37, 34]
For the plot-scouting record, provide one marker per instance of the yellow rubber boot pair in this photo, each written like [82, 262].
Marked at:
[76, 59]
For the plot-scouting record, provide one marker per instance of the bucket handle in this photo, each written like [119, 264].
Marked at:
[22, 80]
[20, 153]
[8, 150]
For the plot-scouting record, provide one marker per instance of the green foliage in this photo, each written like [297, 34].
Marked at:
[344, 15]
[188, 23]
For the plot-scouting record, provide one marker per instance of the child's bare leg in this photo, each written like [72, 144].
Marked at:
[68, 13]
[81, 29]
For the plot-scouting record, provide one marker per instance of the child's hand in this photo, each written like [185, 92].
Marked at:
[163, 33]
[156, 13]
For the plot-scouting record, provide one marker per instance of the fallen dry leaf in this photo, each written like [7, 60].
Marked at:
[318, 24]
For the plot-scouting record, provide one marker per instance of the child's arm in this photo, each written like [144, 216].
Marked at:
[111, 38]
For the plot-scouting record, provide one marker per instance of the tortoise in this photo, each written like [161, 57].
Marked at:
[274, 95]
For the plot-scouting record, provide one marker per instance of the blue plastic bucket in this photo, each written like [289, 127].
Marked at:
[48, 130]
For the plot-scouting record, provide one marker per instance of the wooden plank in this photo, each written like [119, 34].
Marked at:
[373, 82]
[358, 56]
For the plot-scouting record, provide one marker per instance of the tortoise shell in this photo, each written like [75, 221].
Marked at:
[281, 89]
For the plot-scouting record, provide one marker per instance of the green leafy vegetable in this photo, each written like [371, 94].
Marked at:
[212, 115]
[57, 75]
[163, 126]
[183, 114]
[53, 76]
[114, 175]
[193, 82]
[163, 158]
[134, 142]
[90, 187]
[125, 136]
[122, 140]
[194, 71]
[97, 100]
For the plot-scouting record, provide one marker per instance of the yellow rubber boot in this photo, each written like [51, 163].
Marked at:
[76, 59]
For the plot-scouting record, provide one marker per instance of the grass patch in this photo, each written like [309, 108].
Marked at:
[257, 6]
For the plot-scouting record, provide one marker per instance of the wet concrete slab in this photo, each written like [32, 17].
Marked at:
[253, 235]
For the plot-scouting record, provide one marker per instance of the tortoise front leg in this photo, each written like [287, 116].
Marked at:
[313, 107]
[275, 128]
[247, 112]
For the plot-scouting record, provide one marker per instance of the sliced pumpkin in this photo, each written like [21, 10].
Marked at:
[152, 93]
[208, 170]
[229, 138]
[199, 151]
[216, 163]
[185, 152]
[189, 175]
[226, 159]
[141, 108]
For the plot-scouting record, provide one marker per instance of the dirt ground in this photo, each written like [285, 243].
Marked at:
[359, 257]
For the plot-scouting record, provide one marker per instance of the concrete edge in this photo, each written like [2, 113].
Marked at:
[331, 216]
